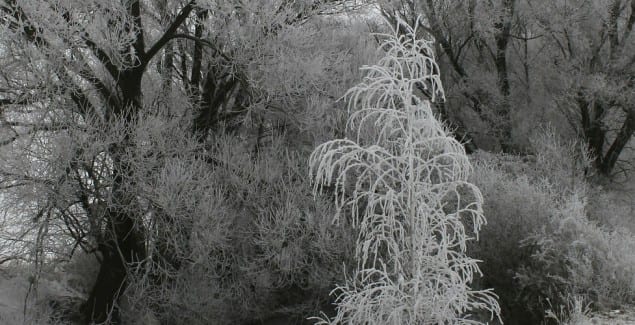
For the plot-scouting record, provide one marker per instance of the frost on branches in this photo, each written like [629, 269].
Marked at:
[402, 180]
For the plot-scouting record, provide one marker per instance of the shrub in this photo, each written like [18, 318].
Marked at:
[402, 179]
[540, 248]
[250, 241]
[516, 207]
[574, 256]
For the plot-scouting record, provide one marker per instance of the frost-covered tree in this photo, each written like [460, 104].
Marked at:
[401, 178]
[513, 65]
[111, 116]
[473, 39]
[591, 46]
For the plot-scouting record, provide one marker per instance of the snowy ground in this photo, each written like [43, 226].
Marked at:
[615, 317]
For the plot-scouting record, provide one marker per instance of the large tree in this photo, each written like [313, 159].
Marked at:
[96, 99]
[81, 65]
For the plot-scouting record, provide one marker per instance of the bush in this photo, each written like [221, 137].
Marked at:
[250, 241]
[574, 256]
[515, 208]
[540, 247]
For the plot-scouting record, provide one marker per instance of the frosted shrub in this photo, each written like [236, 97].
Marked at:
[574, 256]
[516, 206]
[402, 179]
[241, 240]
[541, 251]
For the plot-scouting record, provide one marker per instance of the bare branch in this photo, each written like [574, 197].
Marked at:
[205, 42]
[628, 29]
[169, 33]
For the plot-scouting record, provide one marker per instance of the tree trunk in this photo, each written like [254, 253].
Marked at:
[127, 247]
[125, 238]
[594, 134]
[623, 137]
[124, 246]
[500, 61]
[215, 93]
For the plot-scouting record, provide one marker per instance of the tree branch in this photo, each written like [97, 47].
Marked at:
[99, 53]
[169, 33]
[435, 26]
[29, 30]
[135, 12]
[203, 41]
[621, 140]
[629, 25]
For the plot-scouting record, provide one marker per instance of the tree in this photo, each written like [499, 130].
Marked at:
[403, 181]
[94, 79]
[537, 62]
[473, 51]
[98, 98]
[591, 45]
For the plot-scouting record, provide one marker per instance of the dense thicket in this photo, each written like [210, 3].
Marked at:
[154, 153]
[162, 136]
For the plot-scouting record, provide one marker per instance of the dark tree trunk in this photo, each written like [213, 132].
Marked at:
[591, 129]
[127, 247]
[111, 275]
[197, 57]
[124, 245]
[594, 133]
[168, 69]
[500, 61]
[215, 93]
[623, 137]
[172, 238]
[125, 239]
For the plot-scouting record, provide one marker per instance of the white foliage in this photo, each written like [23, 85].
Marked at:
[403, 180]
